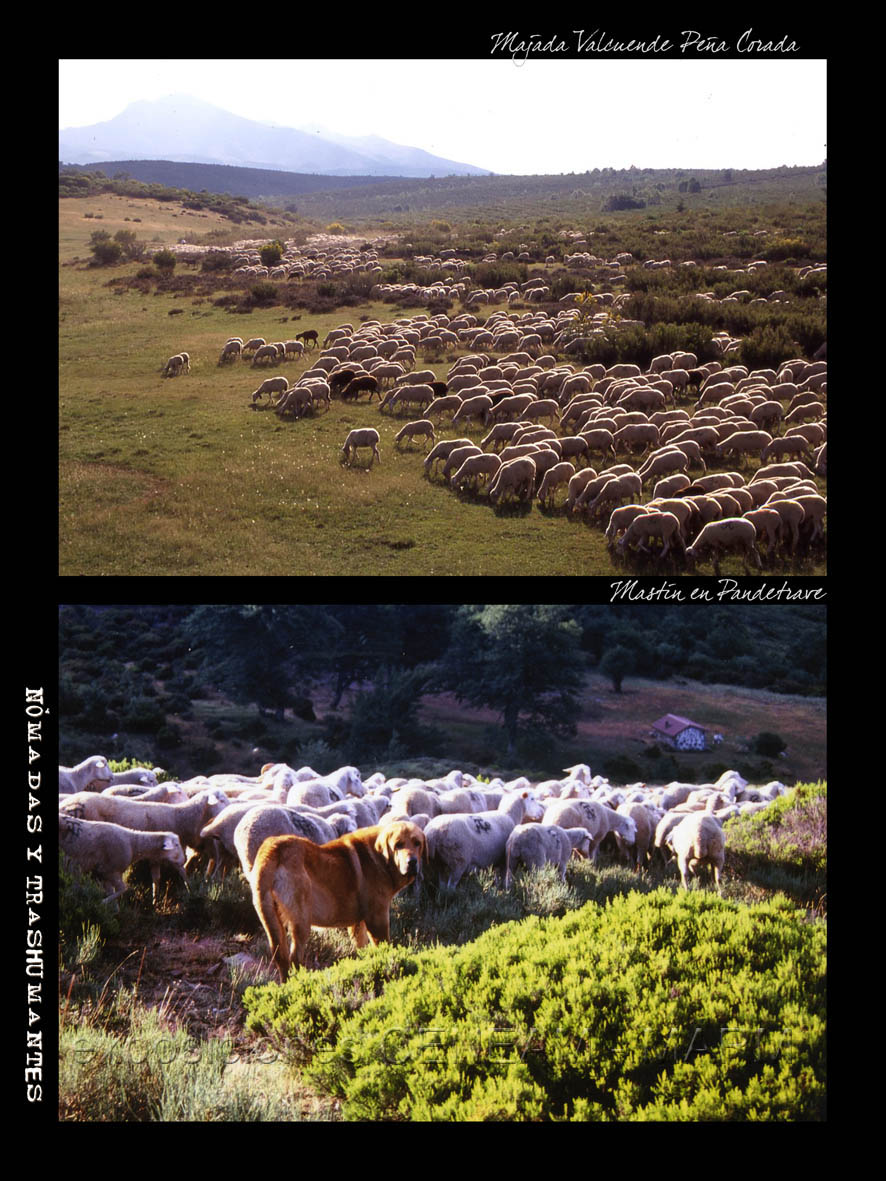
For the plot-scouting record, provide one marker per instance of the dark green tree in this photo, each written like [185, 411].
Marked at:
[616, 664]
[257, 653]
[523, 660]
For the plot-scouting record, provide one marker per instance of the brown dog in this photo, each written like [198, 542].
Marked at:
[348, 882]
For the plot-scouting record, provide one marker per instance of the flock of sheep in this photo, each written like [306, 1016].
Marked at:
[109, 821]
[619, 447]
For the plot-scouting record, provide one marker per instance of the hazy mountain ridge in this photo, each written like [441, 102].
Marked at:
[181, 128]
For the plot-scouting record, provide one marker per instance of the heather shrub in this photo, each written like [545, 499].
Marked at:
[656, 1006]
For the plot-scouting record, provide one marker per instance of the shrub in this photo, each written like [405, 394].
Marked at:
[656, 1006]
[165, 260]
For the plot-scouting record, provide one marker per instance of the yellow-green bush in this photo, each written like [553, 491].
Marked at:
[654, 1006]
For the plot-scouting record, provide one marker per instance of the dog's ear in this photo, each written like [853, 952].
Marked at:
[383, 842]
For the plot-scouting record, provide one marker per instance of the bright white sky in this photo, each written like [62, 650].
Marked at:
[544, 116]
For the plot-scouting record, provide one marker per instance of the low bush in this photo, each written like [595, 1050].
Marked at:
[656, 1006]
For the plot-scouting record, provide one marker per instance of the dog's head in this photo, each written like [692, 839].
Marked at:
[403, 844]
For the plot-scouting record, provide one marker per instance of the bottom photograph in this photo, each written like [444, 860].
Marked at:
[437, 862]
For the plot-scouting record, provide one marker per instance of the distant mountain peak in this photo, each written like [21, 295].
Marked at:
[180, 127]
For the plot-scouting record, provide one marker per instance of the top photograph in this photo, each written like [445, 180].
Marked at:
[555, 307]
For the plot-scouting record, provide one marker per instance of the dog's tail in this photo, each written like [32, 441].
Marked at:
[264, 873]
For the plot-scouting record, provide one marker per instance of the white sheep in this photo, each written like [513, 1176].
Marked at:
[265, 352]
[730, 533]
[458, 843]
[698, 840]
[361, 437]
[475, 466]
[94, 770]
[651, 524]
[532, 845]
[421, 426]
[256, 825]
[271, 385]
[557, 475]
[515, 476]
[108, 850]
[595, 817]
[640, 849]
[186, 820]
[231, 348]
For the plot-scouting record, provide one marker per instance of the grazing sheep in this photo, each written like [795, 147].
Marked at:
[516, 476]
[473, 468]
[93, 774]
[232, 348]
[561, 473]
[361, 437]
[479, 406]
[532, 845]
[458, 843]
[309, 336]
[730, 533]
[270, 386]
[628, 486]
[175, 364]
[421, 426]
[363, 382]
[255, 343]
[696, 841]
[649, 524]
[620, 519]
[265, 352]
[108, 850]
[296, 400]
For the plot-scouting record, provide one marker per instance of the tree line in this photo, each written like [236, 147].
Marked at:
[137, 670]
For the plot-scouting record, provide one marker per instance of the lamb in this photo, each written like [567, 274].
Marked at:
[698, 840]
[108, 850]
[514, 476]
[532, 845]
[422, 426]
[361, 437]
[458, 843]
[92, 774]
[730, 533]
[595, 817]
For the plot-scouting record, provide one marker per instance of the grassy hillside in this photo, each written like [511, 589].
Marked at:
[172, 477]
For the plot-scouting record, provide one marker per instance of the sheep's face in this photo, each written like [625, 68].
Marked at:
[533, 809]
